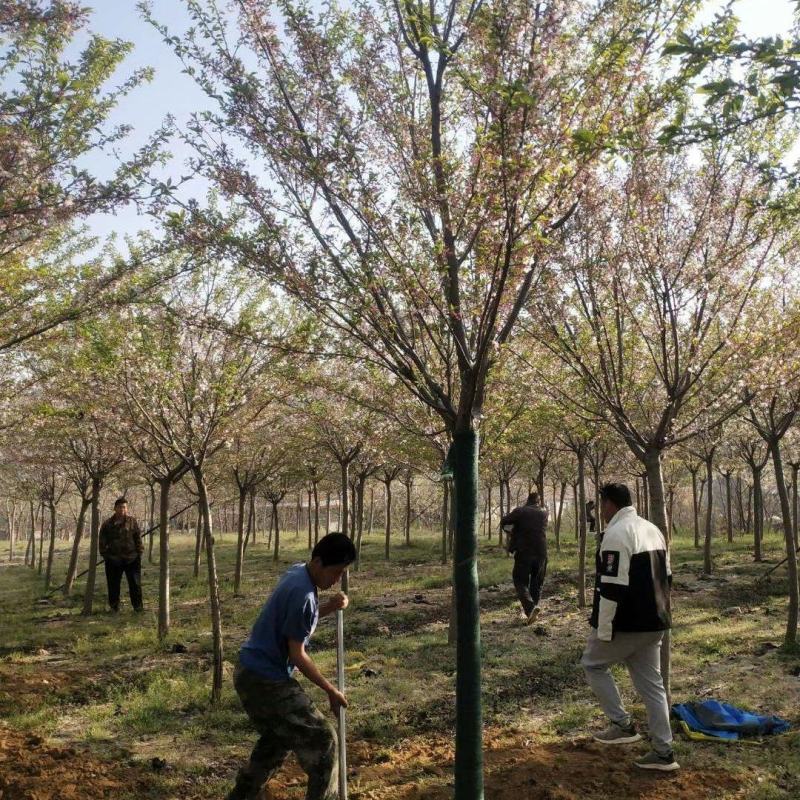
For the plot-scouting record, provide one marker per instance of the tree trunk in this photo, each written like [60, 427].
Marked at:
[277, 542]
[740, 504]
[408, 514]
[445, 515]
[164, 488]
[213, 587]
[758, 514]
[388, 520]
[371, 510]
[353, 510]
[581, 510]
[298, 510]
[598, 517]
[327, 513]
[658, 516]
[695, 510]
[237, 575]
[198, 541]
[646, 498]
[560, 517]
[655, 491]
[489, 509]
[795, 468]
[360, 489]
[576, 500]
[707, 565]
[728, 507]
[30, 550]
[309, 527]
[315, 493]
[94, 543]
[10, 513]
[152, 522]
[451, 526]
[344, 497]
[51, 550]
[670, 513]
[469, 718]
[791, 551]
[72, 569]
[41, 538]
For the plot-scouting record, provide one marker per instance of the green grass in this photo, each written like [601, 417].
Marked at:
[118, 684]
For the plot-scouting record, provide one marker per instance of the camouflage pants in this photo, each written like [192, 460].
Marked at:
[288, 722]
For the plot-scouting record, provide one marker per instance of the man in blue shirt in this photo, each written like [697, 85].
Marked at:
[275, 702]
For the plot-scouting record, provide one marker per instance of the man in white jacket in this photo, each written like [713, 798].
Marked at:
[630, 612]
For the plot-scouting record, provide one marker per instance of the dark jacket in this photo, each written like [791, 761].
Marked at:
[530, 530]
[121, 540]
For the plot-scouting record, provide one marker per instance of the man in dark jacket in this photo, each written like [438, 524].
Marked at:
[630, 612]
[528, 542]
[121, 547]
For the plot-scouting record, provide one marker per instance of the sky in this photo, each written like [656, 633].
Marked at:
[172, 92]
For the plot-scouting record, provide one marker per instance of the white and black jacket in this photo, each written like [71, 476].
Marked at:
[633, 578]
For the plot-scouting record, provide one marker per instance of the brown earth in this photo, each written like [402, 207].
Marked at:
[517, 768]
[31, 769]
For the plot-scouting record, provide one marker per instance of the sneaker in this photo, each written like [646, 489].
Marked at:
[653, 760]
[533, 616]
[616, 734]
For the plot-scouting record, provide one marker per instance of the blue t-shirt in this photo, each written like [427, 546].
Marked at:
[291, 612]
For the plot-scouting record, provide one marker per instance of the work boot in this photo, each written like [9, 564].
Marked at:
[653, 760]
[241, 791]
[533, 616]
[617, 734]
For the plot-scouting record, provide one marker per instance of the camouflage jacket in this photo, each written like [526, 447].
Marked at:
[121, 539]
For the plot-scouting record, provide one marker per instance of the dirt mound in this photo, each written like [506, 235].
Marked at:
[33, 770]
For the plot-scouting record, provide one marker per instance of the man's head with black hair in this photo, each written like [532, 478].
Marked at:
[121, 506]
[533, 499]
[330, 557]
[613, 497]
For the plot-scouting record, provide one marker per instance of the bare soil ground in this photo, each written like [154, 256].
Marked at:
[95, 709]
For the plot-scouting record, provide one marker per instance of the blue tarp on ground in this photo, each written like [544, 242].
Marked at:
[722, 721]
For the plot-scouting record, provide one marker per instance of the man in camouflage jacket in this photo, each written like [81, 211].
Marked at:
[121, 547]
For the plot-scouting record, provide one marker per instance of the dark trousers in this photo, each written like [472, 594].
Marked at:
[287, 721]
[115, 569]
[528, 575]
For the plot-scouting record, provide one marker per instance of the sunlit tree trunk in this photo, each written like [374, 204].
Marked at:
[237, 575]
[164, 488]
[51, 550]
[91, 575]
[213, 586]
[791, 550]
[707, 562]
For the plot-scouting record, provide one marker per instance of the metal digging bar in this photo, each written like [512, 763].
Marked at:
[342, 720]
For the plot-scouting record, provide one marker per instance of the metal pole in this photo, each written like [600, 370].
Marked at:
[342, 725]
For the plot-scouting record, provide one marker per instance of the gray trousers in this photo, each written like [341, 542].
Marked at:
[641, 654]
